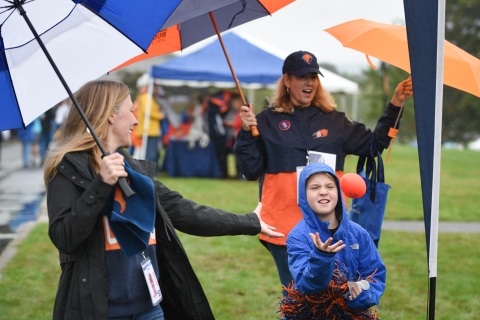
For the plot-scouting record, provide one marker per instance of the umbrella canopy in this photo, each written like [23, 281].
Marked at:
[389, 43]
[84, 40]
[191, 23]
[195, 20]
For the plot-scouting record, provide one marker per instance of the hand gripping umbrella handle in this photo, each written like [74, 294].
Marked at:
[127, 192]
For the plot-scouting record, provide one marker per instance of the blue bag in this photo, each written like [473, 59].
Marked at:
[369, 210]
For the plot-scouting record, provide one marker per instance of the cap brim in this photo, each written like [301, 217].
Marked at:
[304, 71]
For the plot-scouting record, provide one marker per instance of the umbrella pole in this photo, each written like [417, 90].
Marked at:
[214, 22]
[122, 182]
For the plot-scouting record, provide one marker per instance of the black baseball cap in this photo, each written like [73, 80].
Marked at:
[300, 63]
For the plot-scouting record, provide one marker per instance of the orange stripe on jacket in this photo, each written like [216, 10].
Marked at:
[279, 204]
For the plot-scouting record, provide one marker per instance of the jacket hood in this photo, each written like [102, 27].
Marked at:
[310, 217]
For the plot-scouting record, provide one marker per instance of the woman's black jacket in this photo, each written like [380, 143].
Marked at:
[76, 197]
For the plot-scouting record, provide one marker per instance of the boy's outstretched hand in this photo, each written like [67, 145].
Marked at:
[325, 246]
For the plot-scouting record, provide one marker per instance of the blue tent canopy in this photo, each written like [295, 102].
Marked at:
[253, 66]
[210, 64]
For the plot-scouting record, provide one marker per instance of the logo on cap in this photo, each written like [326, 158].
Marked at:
[307, 58]
[284, 125]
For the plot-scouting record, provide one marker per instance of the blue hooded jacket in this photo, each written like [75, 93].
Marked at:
[313, 269]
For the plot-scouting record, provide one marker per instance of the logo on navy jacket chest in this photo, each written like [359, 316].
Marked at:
[284, 125]
[320, 133]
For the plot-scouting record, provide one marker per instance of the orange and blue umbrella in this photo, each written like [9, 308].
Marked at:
[194, 21]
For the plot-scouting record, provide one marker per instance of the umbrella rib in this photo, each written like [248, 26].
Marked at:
[8, 15]
[53, 26]
[244, 5]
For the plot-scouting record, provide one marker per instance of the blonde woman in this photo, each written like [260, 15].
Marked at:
[99, 280]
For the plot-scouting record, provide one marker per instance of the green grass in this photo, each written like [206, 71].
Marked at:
[239, 276]
[28, 283]
[459, 184]
[240, 280]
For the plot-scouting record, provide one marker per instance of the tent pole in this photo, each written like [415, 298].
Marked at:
[251, 94]
[146, 118]
[252, 128]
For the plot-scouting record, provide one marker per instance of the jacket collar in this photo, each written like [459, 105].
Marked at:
[77, 163]
[144, 167]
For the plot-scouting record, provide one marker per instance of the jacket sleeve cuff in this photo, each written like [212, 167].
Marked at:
[252, 221]
[246, 136]
[325, 253]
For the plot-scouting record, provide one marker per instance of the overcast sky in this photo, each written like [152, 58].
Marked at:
[301, 24]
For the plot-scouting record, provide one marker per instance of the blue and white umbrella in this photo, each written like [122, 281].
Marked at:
[81, 41]
[50, 48]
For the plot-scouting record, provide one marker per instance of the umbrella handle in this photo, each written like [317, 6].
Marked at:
[254, 131]
[125, 188]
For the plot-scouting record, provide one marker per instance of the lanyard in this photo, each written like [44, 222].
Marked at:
[308, 123]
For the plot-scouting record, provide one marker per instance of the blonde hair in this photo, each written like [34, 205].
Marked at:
[281, 102]
[97, 99]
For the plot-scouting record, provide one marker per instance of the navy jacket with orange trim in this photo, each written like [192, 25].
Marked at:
[285, 138]
[283, 144]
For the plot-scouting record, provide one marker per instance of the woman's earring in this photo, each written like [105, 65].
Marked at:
[288, 90]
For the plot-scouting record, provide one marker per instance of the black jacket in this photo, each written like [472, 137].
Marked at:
[75, 199]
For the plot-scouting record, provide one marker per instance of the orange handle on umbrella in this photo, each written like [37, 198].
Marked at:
[253, 129]
[392, 133]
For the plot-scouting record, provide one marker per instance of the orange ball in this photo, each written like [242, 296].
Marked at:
[353, 185]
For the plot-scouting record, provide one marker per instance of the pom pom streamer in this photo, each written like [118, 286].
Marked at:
[330, 304]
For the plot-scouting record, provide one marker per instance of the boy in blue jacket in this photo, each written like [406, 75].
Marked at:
[327, 254]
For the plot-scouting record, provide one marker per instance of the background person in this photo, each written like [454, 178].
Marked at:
[46, 136]
[35, 156]
[326, 251]
[153, 126]
[27, 137]
[61, 112]
[98, 281]
[218, 107]
[302, 118]
[233, 124]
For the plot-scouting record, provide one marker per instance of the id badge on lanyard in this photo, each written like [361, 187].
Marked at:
[152, 282]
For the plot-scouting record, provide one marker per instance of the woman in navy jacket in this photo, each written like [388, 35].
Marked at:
[301, 118]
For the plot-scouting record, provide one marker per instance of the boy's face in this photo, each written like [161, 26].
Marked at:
[322, 195]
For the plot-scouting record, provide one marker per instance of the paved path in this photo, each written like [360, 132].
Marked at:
[20, 189]
[21, 193]
[443, 227]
